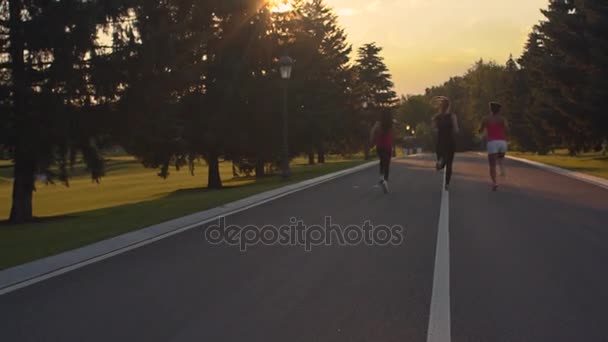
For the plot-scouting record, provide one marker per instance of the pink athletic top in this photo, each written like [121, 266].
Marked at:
[496, 131]
[385, 140]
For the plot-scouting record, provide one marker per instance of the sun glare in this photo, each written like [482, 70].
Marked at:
[280, 6]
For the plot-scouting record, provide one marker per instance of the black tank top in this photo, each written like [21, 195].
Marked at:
[445, 128]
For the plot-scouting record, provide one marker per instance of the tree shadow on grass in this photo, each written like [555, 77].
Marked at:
[203, 190]
[190, 200]
[6, 224]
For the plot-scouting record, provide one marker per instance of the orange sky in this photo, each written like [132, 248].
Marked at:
[427, 41]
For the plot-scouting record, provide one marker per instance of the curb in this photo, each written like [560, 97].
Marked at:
[21, 276]
[597, 181]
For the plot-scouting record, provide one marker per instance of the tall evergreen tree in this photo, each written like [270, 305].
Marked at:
[374, 86]
[374, 77]
[322, 53]
[515, 99]
[563, 71]
[539, 116]
[595, 16]
[53, 111]
[173, 102]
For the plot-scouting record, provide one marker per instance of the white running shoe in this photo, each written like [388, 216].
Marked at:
[440, 165]
[385, 187]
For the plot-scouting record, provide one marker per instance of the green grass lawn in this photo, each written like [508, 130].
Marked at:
[130, 197]
[5, 171]
[589, 163]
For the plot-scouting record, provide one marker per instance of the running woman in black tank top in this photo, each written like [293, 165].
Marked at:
[446, 125]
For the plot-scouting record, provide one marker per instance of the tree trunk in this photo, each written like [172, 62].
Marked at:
[23, 188]
[367, 152]
[311, 158]
[321, 155]
[260, 170]
[214, 181]
[25, 164]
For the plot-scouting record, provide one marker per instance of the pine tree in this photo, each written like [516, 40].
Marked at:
[538, 114]
[322, 53]
[53, 109]
[595, 16]
[374, 87]
[374, 77]
[165, 59]
[240, 56]
[515, 99]
[564, 71]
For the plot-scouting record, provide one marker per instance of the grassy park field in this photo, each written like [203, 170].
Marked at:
[595, 163]
[130, 197]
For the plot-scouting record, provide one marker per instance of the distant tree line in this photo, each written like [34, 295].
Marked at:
[554, 95]
[175, 81]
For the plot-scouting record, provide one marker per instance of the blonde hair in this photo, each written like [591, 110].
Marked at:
[442, 103]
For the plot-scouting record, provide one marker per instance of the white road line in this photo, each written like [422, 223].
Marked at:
[439, 318]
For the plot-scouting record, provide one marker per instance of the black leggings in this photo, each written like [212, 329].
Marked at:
[446, 153]
[385, 161]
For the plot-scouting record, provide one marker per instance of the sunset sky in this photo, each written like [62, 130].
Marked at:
[427, 41]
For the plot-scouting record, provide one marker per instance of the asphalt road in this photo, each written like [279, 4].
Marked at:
[528, 263]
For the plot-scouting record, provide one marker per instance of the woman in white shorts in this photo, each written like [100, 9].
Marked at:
[495, 125]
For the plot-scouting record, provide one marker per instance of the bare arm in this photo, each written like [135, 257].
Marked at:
[507, 127]
[455, 124]
[373, 133]
[434, 123]
[482, 127]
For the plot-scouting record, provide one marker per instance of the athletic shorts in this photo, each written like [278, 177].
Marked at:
[497, 147]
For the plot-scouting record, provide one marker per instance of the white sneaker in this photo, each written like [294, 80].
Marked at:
[385, 186]
[439, 165]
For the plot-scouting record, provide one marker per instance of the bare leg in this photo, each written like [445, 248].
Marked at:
[501, 166]
[492, 160]
[448, 170]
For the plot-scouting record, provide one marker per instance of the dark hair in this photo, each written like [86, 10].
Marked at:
[495, 107]
[386, 121]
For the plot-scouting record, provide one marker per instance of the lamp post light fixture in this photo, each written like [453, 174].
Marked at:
[285, 67]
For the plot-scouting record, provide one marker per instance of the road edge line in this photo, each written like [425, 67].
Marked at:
[589, 179]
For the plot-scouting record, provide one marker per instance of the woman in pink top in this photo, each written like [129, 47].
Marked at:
[496, 128]
[382, 136]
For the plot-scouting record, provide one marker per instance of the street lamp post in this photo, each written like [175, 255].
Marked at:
[364, 105]
[286, 65]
